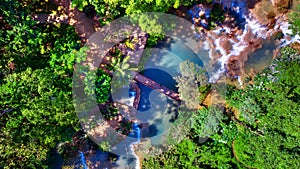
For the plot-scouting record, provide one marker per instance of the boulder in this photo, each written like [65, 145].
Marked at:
[296, 45]
[282, 5]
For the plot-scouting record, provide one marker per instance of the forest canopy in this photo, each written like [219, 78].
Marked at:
[258, 128]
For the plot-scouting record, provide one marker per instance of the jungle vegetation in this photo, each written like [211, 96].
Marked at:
[258, 129]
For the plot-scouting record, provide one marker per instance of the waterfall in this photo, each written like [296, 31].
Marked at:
[248, 28]
[240, 80]
[136, 130]
[132, 139]
[132, 97]
[237, 48]
[284, 27]
[83, 160]
[128, 158]
[248, 25]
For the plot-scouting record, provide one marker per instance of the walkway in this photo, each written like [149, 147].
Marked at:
[85, 27]
[154, 85]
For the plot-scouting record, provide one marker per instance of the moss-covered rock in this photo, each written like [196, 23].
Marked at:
[282, 5]
[277, 35]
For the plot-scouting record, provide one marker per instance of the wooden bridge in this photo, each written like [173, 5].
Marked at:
[154, 85]
[150, 83]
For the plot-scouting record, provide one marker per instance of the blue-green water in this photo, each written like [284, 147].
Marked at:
[160, 77]
[168, 54]
[261, 58]
[156, 109]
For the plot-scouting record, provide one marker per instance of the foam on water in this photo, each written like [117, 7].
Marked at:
[252, 28]
[238, 8]
[136, 129]
[256, 28]
[206, 45]
[287, 32]
[137, 162]
[240, 81]
[285, 29]
[83, 160]
[237, 48]
[219, 30]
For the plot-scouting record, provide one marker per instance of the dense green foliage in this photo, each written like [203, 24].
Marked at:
[42, 115]
[204, 149]
[112, 9]
[192, 78]
[184, 155]
[103, 86]
[258, 129]
[205, 122]
[216, 16]
[109, 10]
[36, 86]
[271, 108]
[261, 131]
[122, 73]
[295, 21]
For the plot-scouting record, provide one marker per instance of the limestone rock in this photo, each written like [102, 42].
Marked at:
[282, 4]
[296, 46]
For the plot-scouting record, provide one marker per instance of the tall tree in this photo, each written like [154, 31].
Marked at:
[41, 115]
[192, 78]
[36, 110]
[272, 103]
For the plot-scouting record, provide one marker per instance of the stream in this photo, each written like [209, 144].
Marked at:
[156, 112]
[261, 58]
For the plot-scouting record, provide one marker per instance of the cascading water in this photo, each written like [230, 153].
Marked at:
[284, 26]
[132, 95]
[135, 133]
[237, 40]
[132, 139]
[83, 160]
[240, 80]
[227, 41]
[137, 130]
[129, 159]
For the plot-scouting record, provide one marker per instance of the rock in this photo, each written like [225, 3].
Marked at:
[277, 35]
[282, 5]
[296, 45]
[226, 44]
[265, 12]
[233, 67]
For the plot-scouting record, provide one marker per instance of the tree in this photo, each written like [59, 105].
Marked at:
[217, 155]
[205, 122]
[123, 73]
[183, 155]
[192, 78]
[273, 105]
[36, 70]
[24, 43]
[21, 43]
[42, 115]
[267, 151]
[217, 15]
[115, 8]
[110, 10]
[103, 86]
[295, 21]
